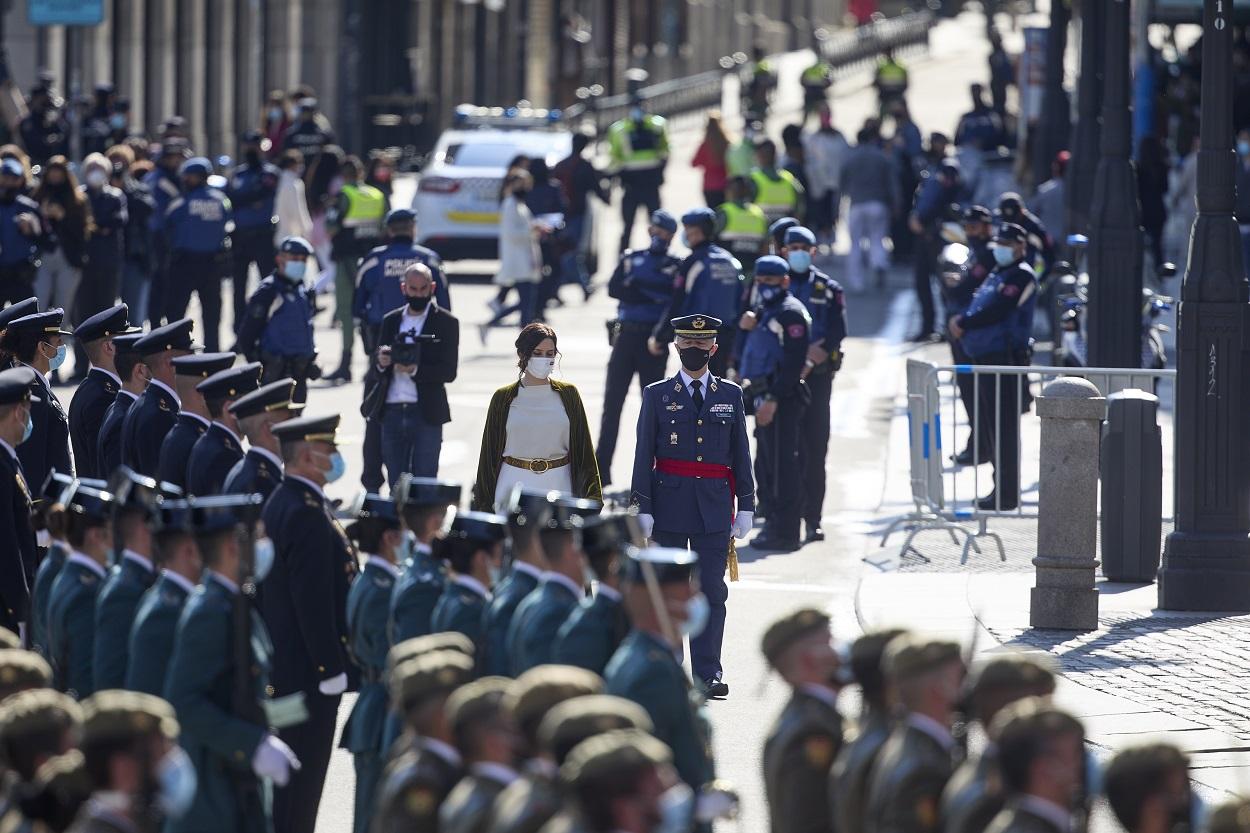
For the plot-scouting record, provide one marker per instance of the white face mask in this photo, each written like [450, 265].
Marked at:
[96, 178]
[540, 366]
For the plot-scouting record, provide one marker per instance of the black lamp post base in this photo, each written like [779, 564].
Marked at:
[1208, 572]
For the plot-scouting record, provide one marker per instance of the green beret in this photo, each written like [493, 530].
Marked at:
[910, 656]
[20, 670]
[476, 701]
[418, 645]
[1013, 672]
[34, 712]
[540, 689]
[429, 675]
[8, 639]
[114, 715]
[64, 780]
[790, 629]
[608, 756]
[1233, 816]
[573, 721]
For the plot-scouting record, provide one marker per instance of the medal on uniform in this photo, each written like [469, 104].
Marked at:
[672, 438]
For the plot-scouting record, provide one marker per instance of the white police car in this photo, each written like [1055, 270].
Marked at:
[457, 198]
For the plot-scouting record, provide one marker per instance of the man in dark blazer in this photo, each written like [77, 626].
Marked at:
[410, 397]
[216, 453]
[36, 342]
[133, 373]
[15, 497]
[98, 390]
[260, 470]
[154, 414]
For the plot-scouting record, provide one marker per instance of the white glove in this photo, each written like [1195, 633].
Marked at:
[334, 685]
[274, 760]
[647, 523]
[744, 522]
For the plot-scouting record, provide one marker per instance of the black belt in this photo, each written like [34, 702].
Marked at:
[402, 404]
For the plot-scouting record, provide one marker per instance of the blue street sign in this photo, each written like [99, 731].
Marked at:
[65, 12]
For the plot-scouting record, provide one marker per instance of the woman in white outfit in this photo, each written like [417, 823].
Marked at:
[536, 432]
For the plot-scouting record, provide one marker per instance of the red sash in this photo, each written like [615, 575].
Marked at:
[691, 468]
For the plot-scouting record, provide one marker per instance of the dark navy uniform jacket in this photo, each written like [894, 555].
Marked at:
[86, 417]
[825, 302]
[17, 562]
[256, 473]
[147, 422]
[709, 282]
[152, 635]
[71, 626]
[41, 590]
[279, 320]
[415, 596]
[165, 189]
[110, 215]
[1001, 313]
[114, 615]
[212, 458]
[532, 634]
[958, 297]
[462, 608]
[520, 582]
[198, 221]
[176, 449]
[670, 427]
[108, 450]
[47, 447]
[774, 352]
[593, 632]
[643, 283]
[381, 274]
[252, 191]
[16, 247]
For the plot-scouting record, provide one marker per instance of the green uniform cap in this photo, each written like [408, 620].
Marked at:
[910, 656]
[476, 701]
[1013, 672]
[21, 670]
[418, 645]
[606, 757]
[429, 675]
[8, 639]
[115, 715]
[35, 712]
[541, 689]
[576, 720]
[790, 629]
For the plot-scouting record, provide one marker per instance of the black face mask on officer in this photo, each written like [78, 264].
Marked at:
[695, 357]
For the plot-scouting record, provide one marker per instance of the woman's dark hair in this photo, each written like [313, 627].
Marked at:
[520, 161]
[529, 338]
[324, 168]
[74, 201]
[539, 170]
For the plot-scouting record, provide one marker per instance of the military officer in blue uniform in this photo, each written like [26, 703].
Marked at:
[710, 283]
[165, 187]
[98, 390]
[532, 634]
[278, 326]
[221, 447]
[71, 603]
[597, 626]
[527, 513]
[198, 225]
[22, 229]
[12, 312]
[53, 560]
[995, 331]
[155, 412]
[36, 341]
[774, 355]
[692, 468]
[133, 373]
[253, 188]
[473, 552]
[135, 500]
[825, 302]
[260, 470]
[228, 739]
[152, 635]
[304, 603]
[423, 503]
[642, 284]
[18, 560]
[379, 538]
[193, 417]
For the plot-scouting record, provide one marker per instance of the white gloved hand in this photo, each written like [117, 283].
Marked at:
[744, 522]
[647, 522]
[334, 685]
[274, 760]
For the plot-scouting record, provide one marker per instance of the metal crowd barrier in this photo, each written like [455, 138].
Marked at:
[945, 496]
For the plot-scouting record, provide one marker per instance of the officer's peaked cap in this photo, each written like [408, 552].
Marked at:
[211, 514]
[669, 564]
[15, 385]
[481, 527]
[777, 230]
[293, 244]
[528, 508]
[431, 642]
[800, 234]
[613, 532]
[696, 326]
[232, 382]
[132, 490]
[203, 365]
[1010, 233]
[426, 491]
[18, 310]
[699, 217]
[89, 501]
[371, 507]
[173, 336]
[568, 512]
[662, 219]
[911, 656]
[576, 720]
[196, 165]
[771, 266]
[115, 716]
[307, 429]
[537, 691]
[400, 215]
[275, 396]
[110, 322]
[605, 758]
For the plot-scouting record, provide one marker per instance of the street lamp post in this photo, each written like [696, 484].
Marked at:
[1080, 176]
[1115, 253]
[1206, 559]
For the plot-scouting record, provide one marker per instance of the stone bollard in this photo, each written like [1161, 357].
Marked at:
[1072, 411]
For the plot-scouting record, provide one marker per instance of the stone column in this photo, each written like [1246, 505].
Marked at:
[249, 59]
[162, 66]
[1071, 410]
[129, 24]
[282, 44]
[221, 66]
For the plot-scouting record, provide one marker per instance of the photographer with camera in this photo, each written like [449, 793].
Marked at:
[417, 357]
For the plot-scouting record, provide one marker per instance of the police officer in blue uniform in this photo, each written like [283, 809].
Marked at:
[277, 328]
[154, 413]
[252, 189]
[165, 187]
[18, 560]
[937, 190]
[527, 513]
[777, 335]
[260, 470]
[825, 302]
[133, 373]
[961, 271]
[101, 274]
[994, 331]
[193, 417]
[692, 465]
[21, 230]
[198, 225]
[423, 503]
[37, 341]
[473, 552]
[221, 447]
[98, 390]
[304, 605]
[710, 283]
[643, 286]
[135, 506]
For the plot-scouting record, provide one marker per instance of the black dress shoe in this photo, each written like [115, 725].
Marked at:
[716, 689]
[991, 503]
[815, 533]
[925, 338]
[765, 541]
[343, 374]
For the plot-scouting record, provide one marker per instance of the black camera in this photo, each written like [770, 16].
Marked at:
[407, 347]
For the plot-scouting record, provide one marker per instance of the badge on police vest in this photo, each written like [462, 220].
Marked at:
[672, 438]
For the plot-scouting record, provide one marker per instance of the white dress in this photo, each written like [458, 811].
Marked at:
[538, 429]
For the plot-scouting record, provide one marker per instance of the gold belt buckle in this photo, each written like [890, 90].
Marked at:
[539, 466]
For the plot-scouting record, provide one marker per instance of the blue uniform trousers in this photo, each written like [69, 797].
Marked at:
[409, 443]
[200, 273]
[713, 551]
[249, 245]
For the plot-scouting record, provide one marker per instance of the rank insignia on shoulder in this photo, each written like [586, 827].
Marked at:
[677, 386]
[164, 405]
[109, 387]
[712, 386]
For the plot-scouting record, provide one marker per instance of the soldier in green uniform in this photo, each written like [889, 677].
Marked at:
[848, 781]
[35, 726]
[597, 626]
[218, 691]
[1041, 755]
[378, 537]
[473, 551]
[423, 503]
[135, 500]
[974, 795]
[49, 516]
[152, 634]
[71, 602]
[22, 670]
[1148, 789]
[396, 738]
[618, 776]
[418, 781]
[538, 617]
[918, 759]
[801, 746]
[527, 513]
[482, 729]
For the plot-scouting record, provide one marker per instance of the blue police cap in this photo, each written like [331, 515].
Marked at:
[173, 336]
[400, 215]
[669, 564]
[662, 219]
[528, 507]
[17, 310]
[202, 365]
[569, 513]
[695, 326]
[771, 266]
[480, 527]
[231, 383]
[777, 231]
[613, 532]
[54, 486]
[211, 514]
[275, 396]
[196, 165]
[308, 429]
[799, 234]
[371, 507]
[90, 502]
[109, 322]
[132, 490]
[426, 491]
[1011, 233]
[295, 245]
[11, 167]
[15, 385]
[699, 217]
